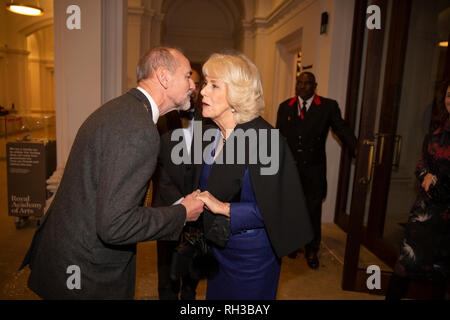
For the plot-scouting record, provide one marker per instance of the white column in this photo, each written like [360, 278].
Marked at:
[114, 39]
[77, 70]
[80, 56]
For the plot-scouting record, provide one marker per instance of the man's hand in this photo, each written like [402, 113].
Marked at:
[193, 205]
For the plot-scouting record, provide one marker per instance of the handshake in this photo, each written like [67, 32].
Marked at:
[197, 201]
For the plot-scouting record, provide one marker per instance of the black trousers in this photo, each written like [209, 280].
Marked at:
[314, 185]
[169, 289]
[314, 205]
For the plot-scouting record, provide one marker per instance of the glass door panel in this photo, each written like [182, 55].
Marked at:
[422, 72]
[395, 105]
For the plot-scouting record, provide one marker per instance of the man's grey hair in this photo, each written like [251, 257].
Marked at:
[157, 57]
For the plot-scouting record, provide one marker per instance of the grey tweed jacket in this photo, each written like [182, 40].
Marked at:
[85, 247]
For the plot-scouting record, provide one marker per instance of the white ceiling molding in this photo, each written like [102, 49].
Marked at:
[141, 11]
[285, 8]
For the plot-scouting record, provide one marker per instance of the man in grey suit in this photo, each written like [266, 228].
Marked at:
[85, 247]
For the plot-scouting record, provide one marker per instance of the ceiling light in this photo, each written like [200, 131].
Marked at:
[443, 44]
[24, 9]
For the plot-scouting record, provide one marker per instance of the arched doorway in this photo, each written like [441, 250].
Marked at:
[200, 28]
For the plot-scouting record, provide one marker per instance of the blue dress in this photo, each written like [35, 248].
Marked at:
[248, 266]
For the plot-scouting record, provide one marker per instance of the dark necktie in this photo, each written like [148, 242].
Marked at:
[304, 110]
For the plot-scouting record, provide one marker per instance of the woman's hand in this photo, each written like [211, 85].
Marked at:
[428, 180]
[214, 205]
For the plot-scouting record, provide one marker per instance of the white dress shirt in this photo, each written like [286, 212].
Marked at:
[153, 106]
[188, 134]
[308, 103]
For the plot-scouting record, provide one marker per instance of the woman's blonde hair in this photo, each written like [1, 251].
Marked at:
[244, 88]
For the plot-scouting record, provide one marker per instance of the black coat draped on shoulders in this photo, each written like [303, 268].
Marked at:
[277, 187]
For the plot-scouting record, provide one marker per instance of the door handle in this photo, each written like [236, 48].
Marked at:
[366, 179]
[380, 140]
[398, 151]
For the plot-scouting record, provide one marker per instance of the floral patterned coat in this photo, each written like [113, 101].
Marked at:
[425, 248]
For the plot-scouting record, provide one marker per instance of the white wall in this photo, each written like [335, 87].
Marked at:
[333, 67]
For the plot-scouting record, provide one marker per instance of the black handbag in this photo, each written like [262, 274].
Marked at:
[193, 258]
[217, 228]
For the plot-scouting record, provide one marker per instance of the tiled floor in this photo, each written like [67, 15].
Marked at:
[297, 281]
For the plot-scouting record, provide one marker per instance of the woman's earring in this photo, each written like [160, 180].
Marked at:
[233, 110]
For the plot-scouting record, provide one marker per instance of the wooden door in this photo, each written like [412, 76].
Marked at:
[393, 79]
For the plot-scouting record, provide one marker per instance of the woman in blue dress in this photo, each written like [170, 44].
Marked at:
[255, 210]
